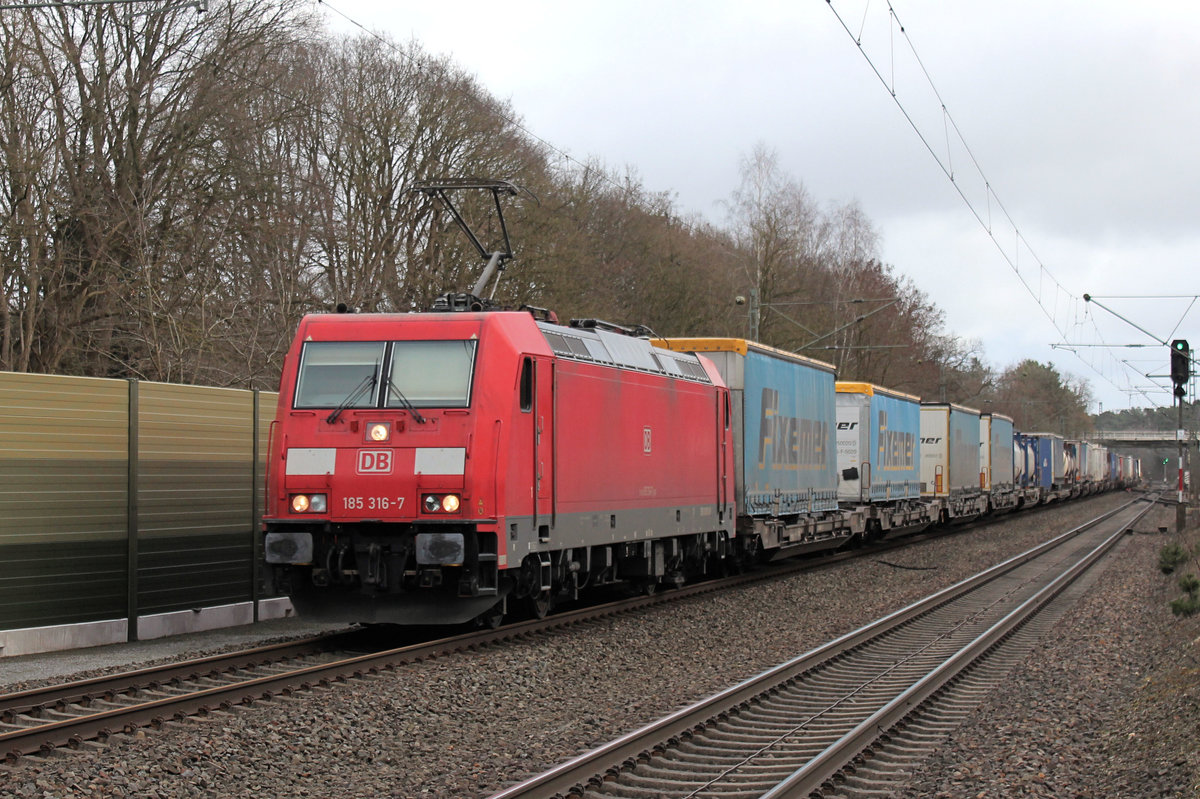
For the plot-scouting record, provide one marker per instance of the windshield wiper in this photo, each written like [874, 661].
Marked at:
[404, 403]
[367, 382]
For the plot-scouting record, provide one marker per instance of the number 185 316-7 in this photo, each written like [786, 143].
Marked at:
[372, 503]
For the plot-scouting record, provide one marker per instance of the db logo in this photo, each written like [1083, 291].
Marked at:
[374, 461]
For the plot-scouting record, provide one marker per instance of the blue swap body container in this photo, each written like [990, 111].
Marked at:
[785, 445]
[878, 435]
[789, 463]
[1049, 466]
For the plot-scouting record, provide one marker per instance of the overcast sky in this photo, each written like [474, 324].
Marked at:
[1083, 115]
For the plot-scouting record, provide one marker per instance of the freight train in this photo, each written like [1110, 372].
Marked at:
[460, 464]
[443, 467]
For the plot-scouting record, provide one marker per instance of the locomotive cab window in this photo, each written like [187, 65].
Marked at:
[432, 374]
[334, 373]
[527, 384]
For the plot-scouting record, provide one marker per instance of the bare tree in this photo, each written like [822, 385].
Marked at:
[180, 188]
[27, 196]
[775, 223]
[398, 116]
[135, 102]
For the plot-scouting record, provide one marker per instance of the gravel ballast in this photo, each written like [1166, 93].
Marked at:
[1110, 700]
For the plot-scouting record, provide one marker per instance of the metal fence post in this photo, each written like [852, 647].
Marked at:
[131, 511]
[255, 514]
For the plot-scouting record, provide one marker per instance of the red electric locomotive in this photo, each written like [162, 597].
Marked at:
[431, 468]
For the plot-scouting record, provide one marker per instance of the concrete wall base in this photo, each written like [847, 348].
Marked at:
[32, 640]
[35, 640]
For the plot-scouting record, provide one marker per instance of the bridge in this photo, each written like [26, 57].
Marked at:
[1149, 438]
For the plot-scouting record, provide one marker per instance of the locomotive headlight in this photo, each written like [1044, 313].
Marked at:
[309, 503]
[443, 503]
[379, 431]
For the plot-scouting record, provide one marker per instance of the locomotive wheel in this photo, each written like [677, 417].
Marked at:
[541, 604]
[492, 618]
[647, 587]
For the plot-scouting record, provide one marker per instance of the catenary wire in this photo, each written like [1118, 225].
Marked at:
[1052, 314]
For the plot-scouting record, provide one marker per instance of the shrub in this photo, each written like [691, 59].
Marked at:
[1170, 556]
[1189, 604]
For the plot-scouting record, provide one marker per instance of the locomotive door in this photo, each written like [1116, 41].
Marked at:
[543, 447]
[723, 422]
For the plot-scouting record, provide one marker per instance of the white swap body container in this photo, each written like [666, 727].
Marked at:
[1021, 470]
[1097, 463]
[949, 450]
[1072, 461]
[878, 431]
[996, 456]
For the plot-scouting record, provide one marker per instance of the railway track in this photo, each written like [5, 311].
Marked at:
[38, 721]
[854, 715]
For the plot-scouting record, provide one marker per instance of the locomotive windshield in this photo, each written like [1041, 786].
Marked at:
[432, 373]
[426, 374]
[332, 372]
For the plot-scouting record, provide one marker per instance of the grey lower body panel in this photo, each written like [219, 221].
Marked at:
[415, 608]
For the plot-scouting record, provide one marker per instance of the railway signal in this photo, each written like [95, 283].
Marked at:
[1181, 372]
[1181, 366]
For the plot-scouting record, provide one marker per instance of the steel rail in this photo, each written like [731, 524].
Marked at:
[570, 777]
[838, 755]
[80, 696]
[48, 696]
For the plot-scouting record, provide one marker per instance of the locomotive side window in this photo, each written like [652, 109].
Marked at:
[432, 374]
[333, 373]
[527, 384]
